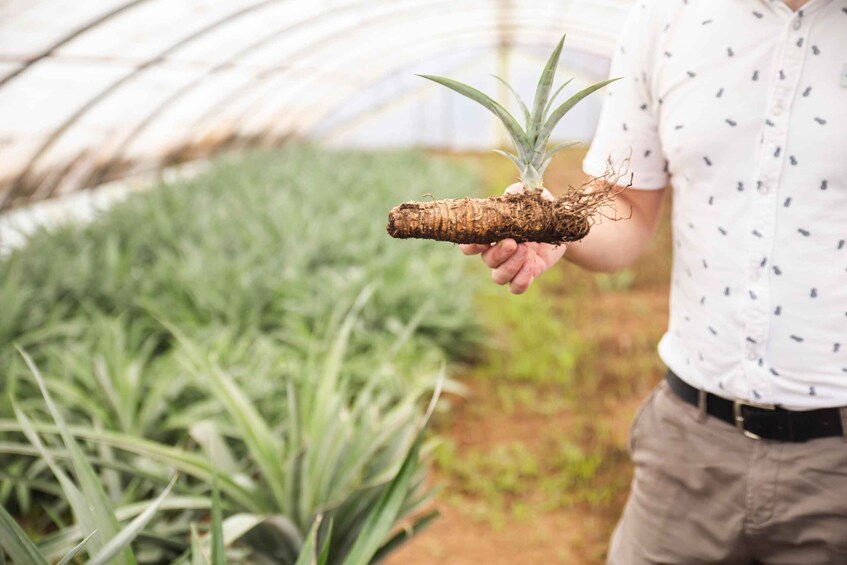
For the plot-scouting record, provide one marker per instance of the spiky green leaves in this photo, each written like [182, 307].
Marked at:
[542, 91]
[556, 116]
[518, 135]
[531, 141]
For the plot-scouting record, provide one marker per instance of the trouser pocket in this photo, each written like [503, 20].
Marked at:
[639, 414]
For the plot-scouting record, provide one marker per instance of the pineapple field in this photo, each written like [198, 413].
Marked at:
[235, 382]
[216, 351]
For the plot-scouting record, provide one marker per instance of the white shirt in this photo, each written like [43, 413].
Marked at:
[742, 106]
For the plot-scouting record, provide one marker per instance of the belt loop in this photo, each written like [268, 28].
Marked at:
[843, 411]
[701, 406]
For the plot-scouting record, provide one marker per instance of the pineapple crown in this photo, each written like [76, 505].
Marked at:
[531, 141]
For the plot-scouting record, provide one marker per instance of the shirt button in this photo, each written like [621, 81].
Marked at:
[797, 23]
[751, 355]
[777, 109]
[764, 188]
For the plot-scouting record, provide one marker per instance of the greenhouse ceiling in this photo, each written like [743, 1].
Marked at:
[95, 89]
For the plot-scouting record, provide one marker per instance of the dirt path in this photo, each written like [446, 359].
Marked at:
[534, 465]
[509, 524]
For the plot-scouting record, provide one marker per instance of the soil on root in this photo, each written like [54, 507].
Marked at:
[527, 217]
[522, 217]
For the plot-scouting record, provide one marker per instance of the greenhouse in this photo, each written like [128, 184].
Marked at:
[230, 335]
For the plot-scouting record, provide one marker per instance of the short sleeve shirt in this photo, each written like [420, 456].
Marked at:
[741, 105]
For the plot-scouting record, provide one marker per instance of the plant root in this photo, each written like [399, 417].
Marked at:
[527, 217]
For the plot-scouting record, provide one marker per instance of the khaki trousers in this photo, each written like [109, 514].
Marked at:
[705, 493]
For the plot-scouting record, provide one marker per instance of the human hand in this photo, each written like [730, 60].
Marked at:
[517, 264]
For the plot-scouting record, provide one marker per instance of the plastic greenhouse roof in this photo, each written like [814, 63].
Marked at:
[93, 89]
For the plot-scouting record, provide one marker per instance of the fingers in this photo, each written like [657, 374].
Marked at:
[474, 248]
[507, 270]
[523, 278]
[517, 188]
[496, 255]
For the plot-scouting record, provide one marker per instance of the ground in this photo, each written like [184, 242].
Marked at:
[533, 461]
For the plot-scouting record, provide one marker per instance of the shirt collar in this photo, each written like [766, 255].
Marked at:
[810, 7]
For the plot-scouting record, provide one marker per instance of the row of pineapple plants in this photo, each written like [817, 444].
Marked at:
[245, 329]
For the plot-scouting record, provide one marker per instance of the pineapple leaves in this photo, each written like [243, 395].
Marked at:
[517, 96]
[16, 543]
[559, 113]
[531, 143]
[543, 159]
[76, 550]
[511, 157]
[542, 93]
[555, 95]
[512, 126]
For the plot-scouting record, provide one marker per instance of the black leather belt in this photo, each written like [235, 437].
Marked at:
[760, 422]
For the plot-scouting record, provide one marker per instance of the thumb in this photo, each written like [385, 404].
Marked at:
[517, 188]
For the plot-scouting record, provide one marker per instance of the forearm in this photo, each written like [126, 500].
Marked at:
[613, 245]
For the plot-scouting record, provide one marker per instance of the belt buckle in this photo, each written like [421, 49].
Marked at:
[739, 416]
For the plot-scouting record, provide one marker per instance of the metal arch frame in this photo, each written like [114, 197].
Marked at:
[149, 118]
[423, 46]
[58, 132]
[477, 33]
[327, 133]
[481, 37]
[261, 79]
[374, 19]
[400, 98]
[85, 108]
[10, 194]
[239, 94]
[102, 18]
[281, 68]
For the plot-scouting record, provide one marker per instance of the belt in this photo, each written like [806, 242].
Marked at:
[761, 422]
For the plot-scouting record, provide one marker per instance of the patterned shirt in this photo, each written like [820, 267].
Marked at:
[742, 106]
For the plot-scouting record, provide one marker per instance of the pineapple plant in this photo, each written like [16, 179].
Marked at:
[530, 216]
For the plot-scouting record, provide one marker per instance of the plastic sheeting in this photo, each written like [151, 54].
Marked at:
[92, 90]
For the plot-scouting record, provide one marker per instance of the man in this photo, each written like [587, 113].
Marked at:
[740, 455]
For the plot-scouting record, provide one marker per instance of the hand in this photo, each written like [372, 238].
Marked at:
[517, 264]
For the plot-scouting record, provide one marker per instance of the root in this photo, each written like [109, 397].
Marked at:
[523, 217]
